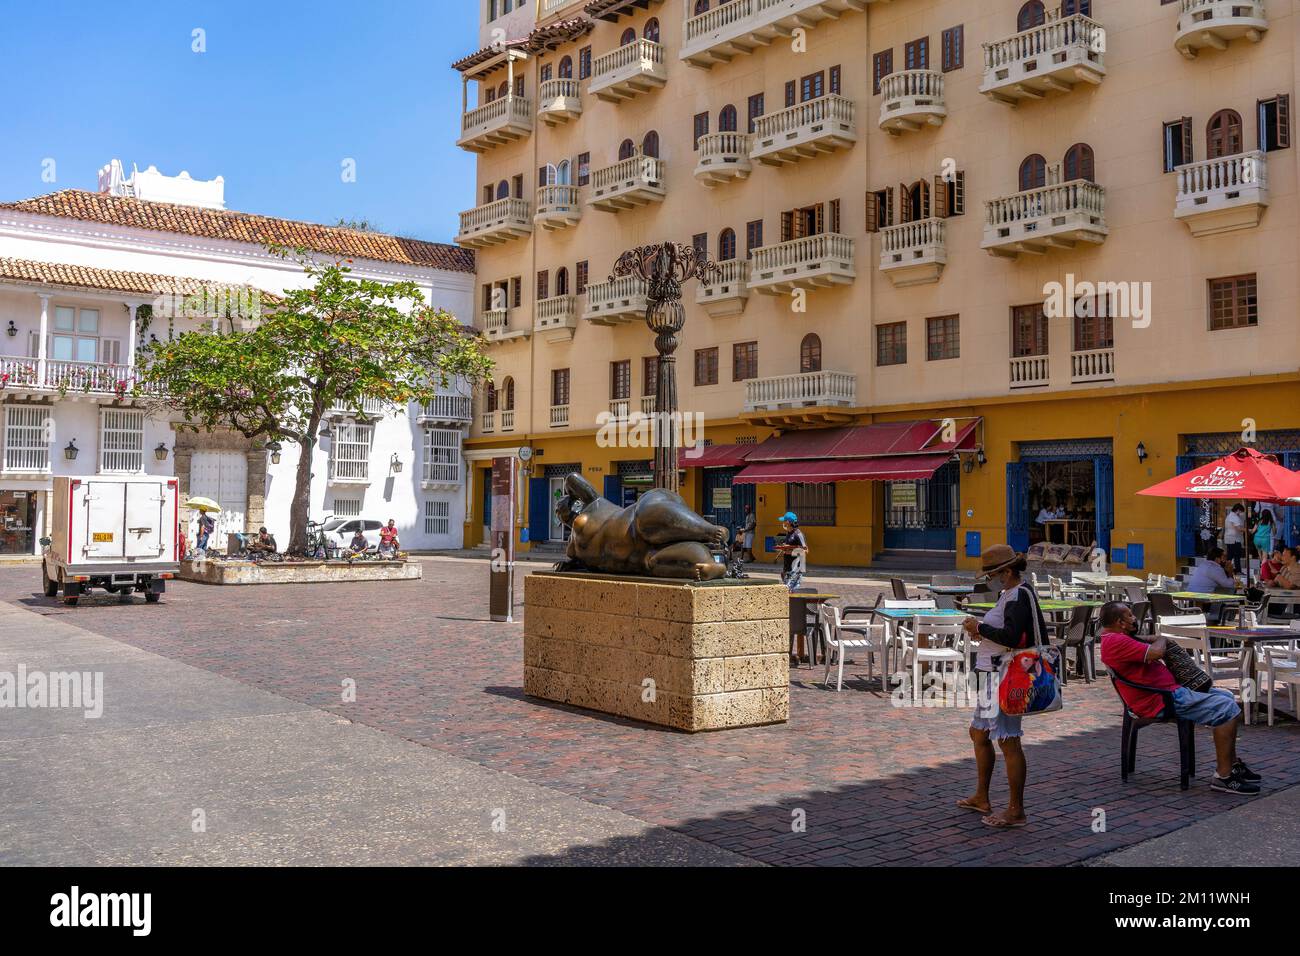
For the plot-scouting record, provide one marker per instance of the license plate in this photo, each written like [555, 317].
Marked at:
[105, 537]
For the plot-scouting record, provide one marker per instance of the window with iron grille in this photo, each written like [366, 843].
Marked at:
[744, 361]
[442, 454]
[1234, 303]
[350, 453]
[942, 338]
[891, 344]
[1028, 330]
[437, 517]
[27, 442]
[814, 504]
[706, 366]
[560, 386]
[347, 508]
[121, 440]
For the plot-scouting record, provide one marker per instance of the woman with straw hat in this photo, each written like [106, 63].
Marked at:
[1011, 625]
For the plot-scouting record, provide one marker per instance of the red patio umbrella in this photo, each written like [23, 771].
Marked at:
[1245, 475]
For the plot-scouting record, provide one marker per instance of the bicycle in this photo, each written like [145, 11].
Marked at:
[318, 545]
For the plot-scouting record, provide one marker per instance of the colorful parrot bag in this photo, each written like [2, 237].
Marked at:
[1028, 683]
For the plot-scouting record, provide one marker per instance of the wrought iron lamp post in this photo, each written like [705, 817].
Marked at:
[664, 267]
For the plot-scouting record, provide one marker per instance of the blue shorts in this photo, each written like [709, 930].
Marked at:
[1213, 708]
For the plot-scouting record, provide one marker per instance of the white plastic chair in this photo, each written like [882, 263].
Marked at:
[919, 647]
[840, 636]
[1179, 620]
[1277, 663]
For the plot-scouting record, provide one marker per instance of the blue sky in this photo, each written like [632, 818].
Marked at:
[285, 92]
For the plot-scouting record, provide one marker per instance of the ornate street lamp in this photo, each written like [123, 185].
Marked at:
[664, 267]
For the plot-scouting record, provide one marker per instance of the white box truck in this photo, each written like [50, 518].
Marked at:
[116, 532]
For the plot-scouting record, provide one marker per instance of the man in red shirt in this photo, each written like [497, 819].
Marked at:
[1139, 662]
[388, 543]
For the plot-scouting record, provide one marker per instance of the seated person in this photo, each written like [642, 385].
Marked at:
[1212, 573]
[388, 543]
[1138, 660]
[1046, 513]
[358, 544]
[264, 542]
[1288, 576]
[1271, 566]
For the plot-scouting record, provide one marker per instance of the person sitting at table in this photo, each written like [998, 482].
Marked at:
[1139, 661]
[1046, 513]
[1288, 577]
[1212, 574]
[1271, 566]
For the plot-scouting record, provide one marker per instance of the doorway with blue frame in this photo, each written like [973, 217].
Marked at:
[725, 502]
[543, 492]
[1073, 480]
[923, 515]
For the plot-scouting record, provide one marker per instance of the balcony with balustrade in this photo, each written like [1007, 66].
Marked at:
[636, 181]
[1050, 217]
[559, 416]
[487, 423]
[1222, 195]
[503, 120]
[617, 300]
[802, 399]
[559, 101]
[1092, 365]
[804, 130]
[498, 327]
[628, 71]
[25, 376]
[1051, 58]
[495, 223]
[1029, 371]
[558, 207]
[1213, 24]
[728, 292]
[914, 253]
[507, 420]
[445, 409]
[557, 318]
[369, 408]
[739, 27]
[812, 262]
[911, 100]
[723, 157]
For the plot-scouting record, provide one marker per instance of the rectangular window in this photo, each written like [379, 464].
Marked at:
[812, 86]
[543, 284]
[437, 517]
[620, 380]
[891, 344]
[701, 127]
[706, 366]
[814, 504]
[916, 54]
[346, 508]
[755, 109]
[350, 452]
[942, 339]
[560, 386]
[519, 186]
[1275, 123]
[650, 375]
[700, 241]
[744, 361]
[27, 442]
[517, 291]
[584, 168]
[1234, 303]
[1178, 143]
[1094, 324]
[584, 63]
[1028, 330]
[121, 440]
[835, 215]
[581, 277]
[442, 455]
[954, 48]
[882, 64]
[790, 90]
[75, 337]
[546, 72]
[834, 82]
[753, 237]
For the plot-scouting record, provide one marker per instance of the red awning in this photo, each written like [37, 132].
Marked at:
[892, 468]
[714, 456]
[865, 441]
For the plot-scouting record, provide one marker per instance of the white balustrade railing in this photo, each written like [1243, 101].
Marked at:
[509, 108]
[1199, 11]
[908, 236]
[556, 198]
[641, 52]
[557, 310]
[559, 416]
[1225, 174]
[803, 389]
[20, 371]
[447, 408]
[612, 290]
[565, 88]
[803, 252]
[487, 422]
[1046, 41]
[912, 84]
[491, 214]
[620, 408]
[1029, 370]
[1092, 365]
[730, 272]
[496, 320]
[1076, 196]
[647, 404]
[831, 108]
[99, 378]
[720, 17]
[725, 145]
[507, 419]
[635, 170]
[369, 407]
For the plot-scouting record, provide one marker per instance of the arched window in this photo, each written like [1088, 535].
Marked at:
[562, 281]
[1031, 15]
[726, 245]
[810, 353]
[727, 119]
[566, 68]
[651, 31]
[629, 36]
[1033, 173]
[491, 397]
[1223, 135]
[508, 394]
[563, 174]
[1079, 163]
[650, 145]
[701, 6]
[626, 149]
[503, 190]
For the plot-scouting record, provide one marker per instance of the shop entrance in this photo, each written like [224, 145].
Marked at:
[724, 501]
[923, 515]
[1061, 493]
[18, 512]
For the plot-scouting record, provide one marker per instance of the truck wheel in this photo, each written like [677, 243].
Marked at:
[51, 587]
[151, 597]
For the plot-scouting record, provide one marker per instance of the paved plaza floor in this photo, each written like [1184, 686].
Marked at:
[231, 701]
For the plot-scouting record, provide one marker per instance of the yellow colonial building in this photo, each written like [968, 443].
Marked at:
[985, 269]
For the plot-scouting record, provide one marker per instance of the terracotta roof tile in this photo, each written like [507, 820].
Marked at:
[245, 227]
[107, 280]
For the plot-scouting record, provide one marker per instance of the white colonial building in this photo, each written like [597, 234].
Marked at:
[77, 269]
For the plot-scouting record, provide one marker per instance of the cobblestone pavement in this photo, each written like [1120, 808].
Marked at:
[875, 784]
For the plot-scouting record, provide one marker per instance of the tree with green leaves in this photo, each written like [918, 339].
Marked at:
[340, 340]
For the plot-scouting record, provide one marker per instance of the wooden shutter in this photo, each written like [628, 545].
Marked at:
[940, 198]
[819, 219]
[924, 211]
[1284, 121]
[889, 206]
[517, 287]
[835, 215]
[873, 212]
[33, 344]
[110, 351]
[905, 203]
[787, 226]
[835, 79]
[1187, 139]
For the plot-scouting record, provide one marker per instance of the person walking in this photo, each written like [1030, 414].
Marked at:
[794, 551]
[1012, 625]
[747, 534]
[1234, 535]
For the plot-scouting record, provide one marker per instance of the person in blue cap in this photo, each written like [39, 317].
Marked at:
[794, 551]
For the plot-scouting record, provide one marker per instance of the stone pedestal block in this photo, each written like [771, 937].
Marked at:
[694, 656]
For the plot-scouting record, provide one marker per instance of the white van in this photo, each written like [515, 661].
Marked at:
[116, 532]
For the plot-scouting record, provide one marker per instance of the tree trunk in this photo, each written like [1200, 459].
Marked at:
[299, 508]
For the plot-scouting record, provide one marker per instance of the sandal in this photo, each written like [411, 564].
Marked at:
[966, 804]
[1000, 823]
